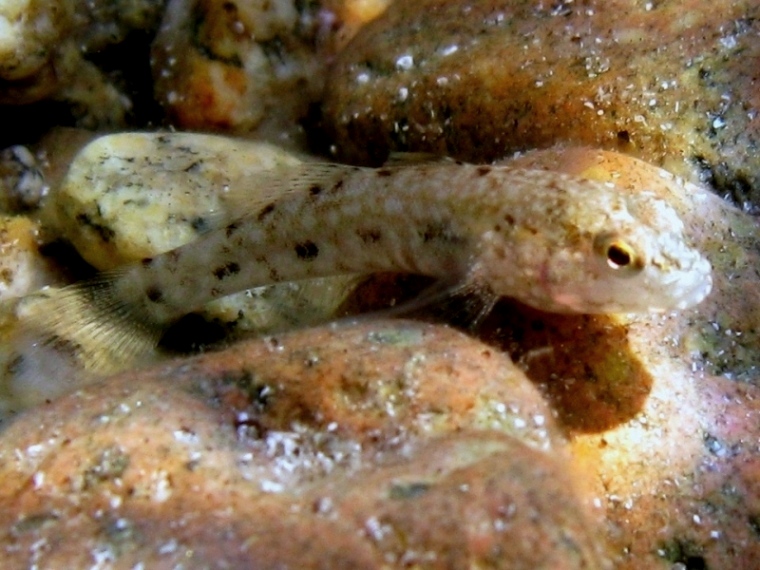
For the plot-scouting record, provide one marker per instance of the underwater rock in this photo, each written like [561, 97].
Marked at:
[285, 451]
[673, 82]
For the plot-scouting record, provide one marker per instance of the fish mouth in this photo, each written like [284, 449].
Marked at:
[699, 291]
[687, 287]
[679, 290]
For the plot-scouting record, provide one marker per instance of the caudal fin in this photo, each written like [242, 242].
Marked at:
[88, 321]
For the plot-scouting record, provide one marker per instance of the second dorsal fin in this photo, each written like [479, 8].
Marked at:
[413, 158]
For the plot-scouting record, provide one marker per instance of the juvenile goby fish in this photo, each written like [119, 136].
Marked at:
[553, 241]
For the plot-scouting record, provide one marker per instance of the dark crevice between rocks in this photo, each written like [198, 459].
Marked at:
[582, 363]
[730, 184]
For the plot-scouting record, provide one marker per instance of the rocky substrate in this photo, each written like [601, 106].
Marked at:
[532, 441]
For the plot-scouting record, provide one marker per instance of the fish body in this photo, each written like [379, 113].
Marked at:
[553, 241]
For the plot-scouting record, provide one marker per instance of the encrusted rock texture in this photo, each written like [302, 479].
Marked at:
[383, 443]
[673, 82]
[531, 441]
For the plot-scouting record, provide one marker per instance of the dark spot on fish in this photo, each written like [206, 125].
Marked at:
[483, 170]
[226, 270]
[315, 190]
[431, 232]
[440, 231]
[369, 235]
[64, 345]
[146, 261]
[265, 211]
[232, 228]
[306, 250]
[154, 294]
[199, 224]
[509, 219]
[215, 292]
[384, 172]
[337, 186]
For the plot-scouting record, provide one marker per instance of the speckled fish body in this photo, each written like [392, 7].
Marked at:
[553, 241]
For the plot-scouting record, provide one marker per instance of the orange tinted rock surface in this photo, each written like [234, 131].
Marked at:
[660, 411]
[663, 409]
[354, 446]
[673, 82]
[239, 66]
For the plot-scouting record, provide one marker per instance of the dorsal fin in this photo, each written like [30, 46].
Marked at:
[415, 158]
[272, 185]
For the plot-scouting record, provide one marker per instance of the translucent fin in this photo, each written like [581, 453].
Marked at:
[275, 184]
[89, 322]
[413, 158]
[464, 304]
[298, 304]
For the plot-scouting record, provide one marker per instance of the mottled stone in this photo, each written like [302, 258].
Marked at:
[130, 196]
[355, 446]
[228, 65]
[44, 49]
[133, 195]
[22, 184]
[472, 500]
[241, 65]
[674, 82]
[29, 32]
[23, 269]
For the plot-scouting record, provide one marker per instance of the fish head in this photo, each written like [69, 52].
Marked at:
[600, 250]
[633, 259]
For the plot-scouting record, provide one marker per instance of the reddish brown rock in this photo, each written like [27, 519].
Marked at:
[673, 81]
[47, 52]
[472, 500]
[238, 66]
[663, 409]
[345, 447]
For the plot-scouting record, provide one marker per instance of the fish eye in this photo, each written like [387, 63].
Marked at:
[618, 254]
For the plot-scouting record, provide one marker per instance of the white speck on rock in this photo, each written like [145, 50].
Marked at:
[405, 62]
